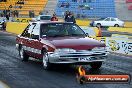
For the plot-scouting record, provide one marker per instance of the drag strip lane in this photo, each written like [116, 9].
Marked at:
[18, 74]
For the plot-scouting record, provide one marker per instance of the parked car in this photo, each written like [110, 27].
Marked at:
[42, 18]
[59, 43]
[2, 22]
[109, 21]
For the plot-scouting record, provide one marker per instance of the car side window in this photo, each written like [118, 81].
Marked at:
[28, 30]
[112, 19]
[35, 32]
[107, 19]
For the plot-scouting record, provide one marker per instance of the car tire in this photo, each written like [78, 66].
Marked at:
[23, 55]
[96, 65]
[46, 63]
[116, 25]
[98, 25]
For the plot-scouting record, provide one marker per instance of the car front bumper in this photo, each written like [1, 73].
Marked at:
[77, 58]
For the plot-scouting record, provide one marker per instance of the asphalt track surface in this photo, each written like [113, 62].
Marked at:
[18, 74]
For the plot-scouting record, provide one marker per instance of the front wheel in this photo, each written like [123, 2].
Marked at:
[116, 25]
[46, 63]
[96, 65]
[23, 55]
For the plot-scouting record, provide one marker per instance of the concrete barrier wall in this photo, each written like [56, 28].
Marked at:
[16, 27]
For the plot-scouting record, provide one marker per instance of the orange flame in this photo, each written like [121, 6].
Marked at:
[81, 71]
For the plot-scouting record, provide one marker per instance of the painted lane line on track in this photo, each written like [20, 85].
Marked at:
[3, 85]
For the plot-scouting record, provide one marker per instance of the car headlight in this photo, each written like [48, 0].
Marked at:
[64, 50]
[99, 49]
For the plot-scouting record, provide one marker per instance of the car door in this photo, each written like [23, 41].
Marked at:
[35, 44]
[106, 22]
[26, 37]
[113, 22]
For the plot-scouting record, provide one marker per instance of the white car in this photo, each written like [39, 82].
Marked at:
[2, 20]
[42, 18]
[109, 21]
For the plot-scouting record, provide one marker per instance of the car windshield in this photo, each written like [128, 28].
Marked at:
[45, 17]
[61, 30]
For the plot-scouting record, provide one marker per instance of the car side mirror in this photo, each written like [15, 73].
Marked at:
[35, 36]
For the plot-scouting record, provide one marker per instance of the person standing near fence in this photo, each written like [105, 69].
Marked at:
[71, 18]
[54, 18]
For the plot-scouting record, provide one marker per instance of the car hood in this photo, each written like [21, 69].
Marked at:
[75, 43]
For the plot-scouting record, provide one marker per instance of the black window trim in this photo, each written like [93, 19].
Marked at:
[27, 28]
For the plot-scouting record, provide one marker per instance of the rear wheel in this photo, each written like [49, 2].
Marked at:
[116, 25]
[96, 65]
[23, 55]
[98, 25]
[46, 63]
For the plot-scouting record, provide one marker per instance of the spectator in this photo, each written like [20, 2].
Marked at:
[41, 13]
[99, 32]
[54, 13]
[1, 12]
[63, 15]
[30, 14]
[4, 12]
[71, 18]
[46, 13]
[33, 14]
[66, 15]
[62, 4]
[54, 18]
[16, 13]
[74, 0]
[7, 16]
[67, 5]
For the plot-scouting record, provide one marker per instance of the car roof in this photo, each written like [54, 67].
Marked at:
[47, 22]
